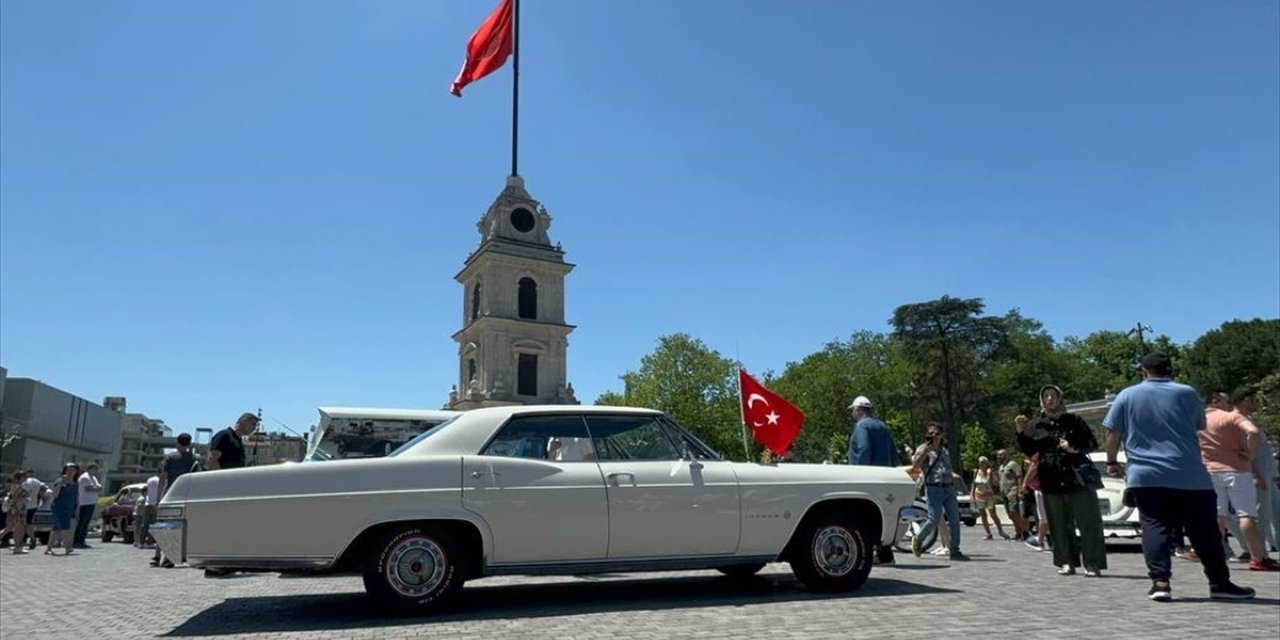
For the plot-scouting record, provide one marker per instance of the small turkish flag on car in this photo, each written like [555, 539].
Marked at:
[773, 421]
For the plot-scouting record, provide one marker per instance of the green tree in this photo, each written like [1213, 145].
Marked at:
[693, 384]
[824, 382]
[1107, 361]
[1029, 360]
[1237, 353]
[951, 343]
[976, 444]
[1268, 415]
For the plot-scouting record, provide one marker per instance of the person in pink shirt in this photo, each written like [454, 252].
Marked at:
[1228, 444]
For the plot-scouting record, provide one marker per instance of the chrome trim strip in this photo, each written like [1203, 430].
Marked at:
[624, 565]
[241, 563]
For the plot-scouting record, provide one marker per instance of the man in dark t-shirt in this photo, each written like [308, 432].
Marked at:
[226, 450]
[175, 465]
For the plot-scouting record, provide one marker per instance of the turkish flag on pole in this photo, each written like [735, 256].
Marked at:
[773, 421]
[488, 48]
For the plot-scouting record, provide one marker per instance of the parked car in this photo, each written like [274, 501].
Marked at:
[117, 518]
[535, 490]
[968, 515]
[1118, 520]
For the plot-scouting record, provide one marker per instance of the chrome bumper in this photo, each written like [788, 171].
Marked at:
[171, 537]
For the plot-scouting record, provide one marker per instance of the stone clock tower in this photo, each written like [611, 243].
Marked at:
[513, 340]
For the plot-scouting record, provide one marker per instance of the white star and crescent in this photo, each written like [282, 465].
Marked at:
[770, 418]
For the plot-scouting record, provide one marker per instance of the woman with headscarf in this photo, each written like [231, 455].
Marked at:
[1064, 441]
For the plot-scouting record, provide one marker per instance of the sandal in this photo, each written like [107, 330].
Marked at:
[1066, 570]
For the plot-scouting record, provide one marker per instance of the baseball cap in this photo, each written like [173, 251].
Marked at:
[860, 401]
[184, 439]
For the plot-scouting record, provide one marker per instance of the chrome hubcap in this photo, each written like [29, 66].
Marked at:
[834, 550]
[415, 567]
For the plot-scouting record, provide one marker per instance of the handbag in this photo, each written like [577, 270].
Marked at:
[1088, 476]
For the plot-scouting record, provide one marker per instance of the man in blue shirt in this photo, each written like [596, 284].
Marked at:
[871, 443]
[1157, 420]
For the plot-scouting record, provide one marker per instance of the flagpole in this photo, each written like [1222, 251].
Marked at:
[515, 86]
[742, 417]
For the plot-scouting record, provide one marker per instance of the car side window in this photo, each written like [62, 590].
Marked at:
[631, 438]
[562, 438]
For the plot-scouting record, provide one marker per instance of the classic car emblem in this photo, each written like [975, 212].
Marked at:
[888, 497]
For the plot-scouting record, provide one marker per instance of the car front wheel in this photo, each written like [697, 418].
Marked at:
[831, 554]
[413, 569]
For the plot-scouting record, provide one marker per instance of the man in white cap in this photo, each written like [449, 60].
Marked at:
[871, 443]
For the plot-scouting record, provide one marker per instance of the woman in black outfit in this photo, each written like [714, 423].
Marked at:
[1064, 441]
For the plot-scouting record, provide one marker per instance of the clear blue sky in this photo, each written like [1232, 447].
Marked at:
[214, 206]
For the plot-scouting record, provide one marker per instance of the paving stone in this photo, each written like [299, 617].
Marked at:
[109, 592]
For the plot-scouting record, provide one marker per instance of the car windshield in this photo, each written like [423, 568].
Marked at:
[422, 436]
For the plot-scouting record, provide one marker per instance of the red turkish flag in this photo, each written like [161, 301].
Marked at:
[488, 48]
[773, 421]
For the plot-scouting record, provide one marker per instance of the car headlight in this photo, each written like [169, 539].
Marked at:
[169, 511]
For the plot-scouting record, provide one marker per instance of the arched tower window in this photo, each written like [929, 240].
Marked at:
[475, 301]
[471, 370]
[528, 298]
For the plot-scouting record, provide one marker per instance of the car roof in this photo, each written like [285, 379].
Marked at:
[467, 433]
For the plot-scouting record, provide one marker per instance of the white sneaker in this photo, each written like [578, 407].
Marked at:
[940, 551]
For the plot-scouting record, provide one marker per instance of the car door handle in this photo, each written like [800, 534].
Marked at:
[481, 474]
[614, 478]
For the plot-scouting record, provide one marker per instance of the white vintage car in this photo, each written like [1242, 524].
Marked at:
[1118, 519]
[535, 490]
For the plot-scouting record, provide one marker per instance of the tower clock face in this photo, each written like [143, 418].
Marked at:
[522, 220]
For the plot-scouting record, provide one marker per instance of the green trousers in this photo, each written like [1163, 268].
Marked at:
[1067, 513]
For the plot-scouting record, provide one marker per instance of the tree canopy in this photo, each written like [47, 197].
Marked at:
[944, 360]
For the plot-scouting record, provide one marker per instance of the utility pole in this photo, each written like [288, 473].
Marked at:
[1140, 330]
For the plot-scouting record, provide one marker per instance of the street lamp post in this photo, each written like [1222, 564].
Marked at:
[911, 421]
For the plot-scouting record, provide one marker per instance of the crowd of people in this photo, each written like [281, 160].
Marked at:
[1197, 468]
[73, 497]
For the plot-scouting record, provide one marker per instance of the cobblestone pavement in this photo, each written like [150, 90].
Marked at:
[109, 592]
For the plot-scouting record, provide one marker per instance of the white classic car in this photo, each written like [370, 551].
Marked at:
[535, 490]
[1118, 520]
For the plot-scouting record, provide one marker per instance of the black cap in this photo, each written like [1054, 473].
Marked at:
[184, 439]
[1156, 362]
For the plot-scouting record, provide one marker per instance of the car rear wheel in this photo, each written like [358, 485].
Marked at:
[414, 569]
[831, 554]
[741, 571]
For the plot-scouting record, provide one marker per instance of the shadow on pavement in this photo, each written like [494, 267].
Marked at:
[275, 614]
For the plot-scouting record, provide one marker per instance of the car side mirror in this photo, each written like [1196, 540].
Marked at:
[687, 454]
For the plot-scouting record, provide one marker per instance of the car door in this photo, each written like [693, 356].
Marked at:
[661, 505]
[541, 506]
